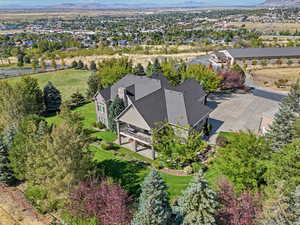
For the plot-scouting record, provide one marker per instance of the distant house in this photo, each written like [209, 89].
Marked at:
[151, 101]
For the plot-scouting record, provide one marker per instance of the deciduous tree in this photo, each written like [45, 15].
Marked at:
[106, 201]
[115, 108]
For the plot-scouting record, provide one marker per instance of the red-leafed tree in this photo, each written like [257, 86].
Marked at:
[237, 210]
[231, 80]
[106, 201]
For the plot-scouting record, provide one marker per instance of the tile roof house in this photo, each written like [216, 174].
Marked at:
[151, 101]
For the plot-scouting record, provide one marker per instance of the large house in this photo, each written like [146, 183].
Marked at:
[247, 55]
[151, 101]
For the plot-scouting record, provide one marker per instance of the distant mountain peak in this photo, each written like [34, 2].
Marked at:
[282, 3]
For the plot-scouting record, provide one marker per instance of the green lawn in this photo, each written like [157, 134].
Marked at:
[131, 175]
[67, 81]
[88, 113]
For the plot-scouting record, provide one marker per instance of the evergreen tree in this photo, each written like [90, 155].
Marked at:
[154, 208]
[32, 95]
[52, 98]
[54, 64]
[149, 70]
[80, 65]
[74, 64]
[293, 98]
[20, 60]
[139, 70]
[24, 142]
[156, 67]
[276, 208]
[116, 107]
[6, 174]
[295, 206]
[58, 161]
[281, 131]
[93, 66]
[284, 166]
[94, 85]
[198, 204]
[27, 59]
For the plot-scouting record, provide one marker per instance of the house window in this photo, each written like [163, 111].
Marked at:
[102, 120]
[101, 108]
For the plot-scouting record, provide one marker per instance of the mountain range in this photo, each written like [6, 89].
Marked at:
[91, 6]
[143, 5]
[282, 3]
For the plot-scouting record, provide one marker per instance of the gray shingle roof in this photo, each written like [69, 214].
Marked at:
[264, 52]
[158, 101]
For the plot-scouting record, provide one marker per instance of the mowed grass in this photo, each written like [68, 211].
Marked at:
[66, 81]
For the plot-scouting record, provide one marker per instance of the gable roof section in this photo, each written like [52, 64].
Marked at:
[153, 108]
[176, 109]
[132, 116]
[142, 86]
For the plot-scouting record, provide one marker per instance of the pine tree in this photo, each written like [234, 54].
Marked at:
[6, 174]
[80, 65]
[74, 64]
[139, 70]
[52, 98]
[93, 66]
[149, 69]
[295, 206]
[293, 98]
[116, 107]
[281, 132]
[198, 204]
[156, 67]
[154, 208]
[276, 208]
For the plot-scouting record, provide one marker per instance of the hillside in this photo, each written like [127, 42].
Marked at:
[279, 3]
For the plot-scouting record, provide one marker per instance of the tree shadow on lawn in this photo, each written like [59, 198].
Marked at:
[130, 175]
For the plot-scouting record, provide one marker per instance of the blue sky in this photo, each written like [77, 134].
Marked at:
[51, 2]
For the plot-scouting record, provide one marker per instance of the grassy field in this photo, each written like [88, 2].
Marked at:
[67, 81]
[269, 27]
[272, 75]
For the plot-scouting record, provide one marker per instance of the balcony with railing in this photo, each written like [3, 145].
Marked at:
[135, 133]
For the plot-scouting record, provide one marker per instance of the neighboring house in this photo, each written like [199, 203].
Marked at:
[151, 101]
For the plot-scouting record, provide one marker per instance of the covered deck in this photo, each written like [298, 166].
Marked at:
[136, 139]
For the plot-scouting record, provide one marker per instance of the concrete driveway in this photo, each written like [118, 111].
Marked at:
[241, 112]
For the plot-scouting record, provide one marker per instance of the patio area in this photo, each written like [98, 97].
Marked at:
[140, 148]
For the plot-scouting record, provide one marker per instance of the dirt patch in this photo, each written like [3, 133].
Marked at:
[269, 77]
[15, 210]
